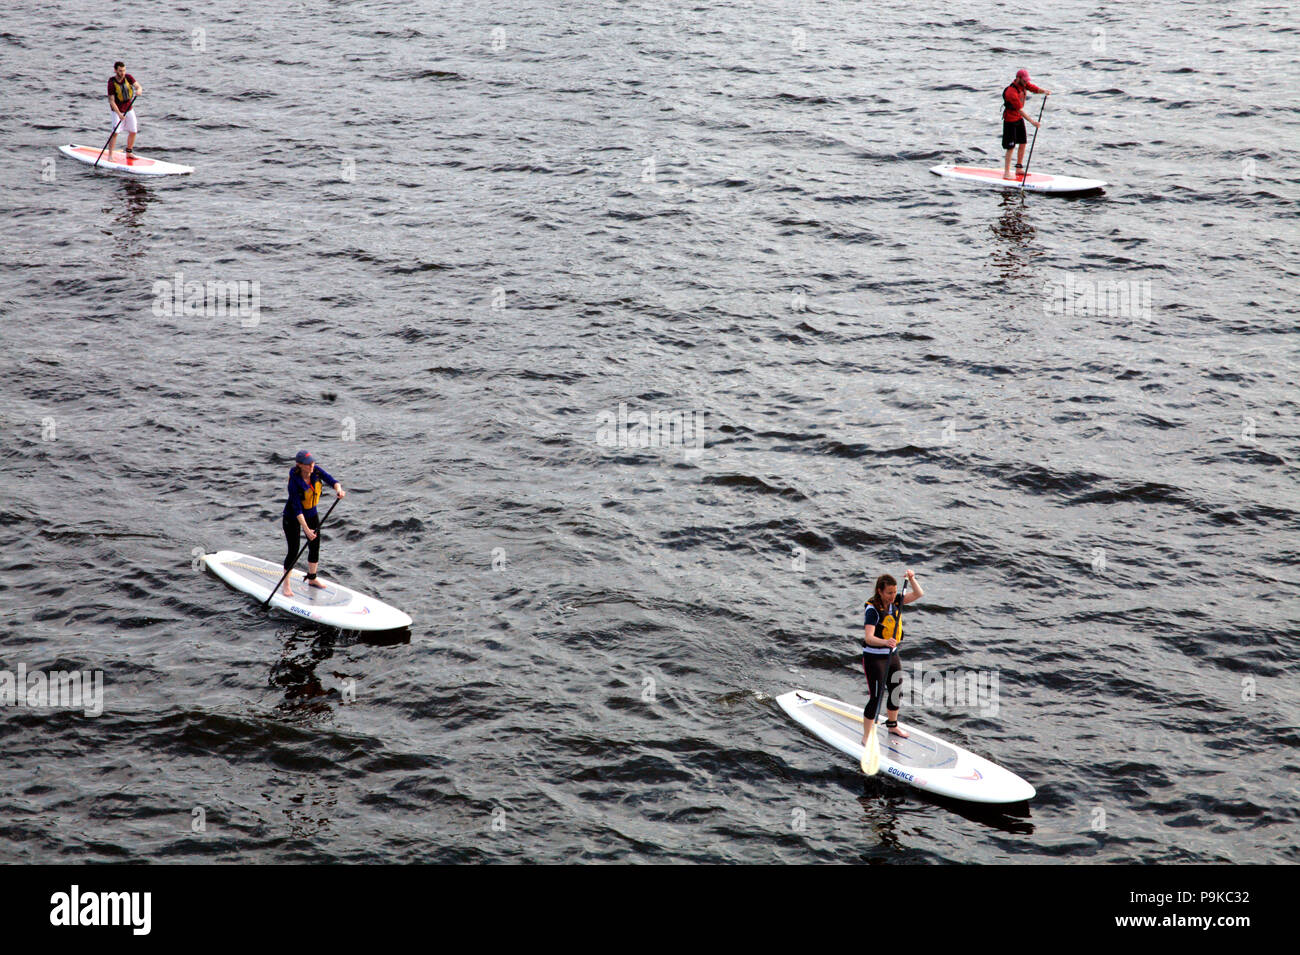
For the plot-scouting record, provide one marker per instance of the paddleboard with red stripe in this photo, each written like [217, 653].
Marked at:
[120, 162]
[1035, 182]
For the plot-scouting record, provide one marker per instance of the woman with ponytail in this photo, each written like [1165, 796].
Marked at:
[882, 632]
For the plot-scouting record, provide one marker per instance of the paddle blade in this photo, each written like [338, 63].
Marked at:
[871, 752]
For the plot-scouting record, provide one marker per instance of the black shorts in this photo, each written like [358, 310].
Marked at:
[1013, 134]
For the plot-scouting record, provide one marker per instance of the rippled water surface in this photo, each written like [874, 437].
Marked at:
[477, 234]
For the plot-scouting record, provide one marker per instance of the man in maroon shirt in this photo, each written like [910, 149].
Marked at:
[122, 91]
[1013, 122]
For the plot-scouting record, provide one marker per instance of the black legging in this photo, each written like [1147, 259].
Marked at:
[293, 534]
[882, 669]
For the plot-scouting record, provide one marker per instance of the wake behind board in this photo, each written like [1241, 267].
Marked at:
[333, 606]
[119, 161]
[1034, 182]
[925, 761]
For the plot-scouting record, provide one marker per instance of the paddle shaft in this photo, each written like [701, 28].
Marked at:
[267, 601]
[129, 107]
[1030, 160]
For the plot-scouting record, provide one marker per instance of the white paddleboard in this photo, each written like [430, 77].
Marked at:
[333, 606]
[1034, 182]
[121, 162]
[925, 761]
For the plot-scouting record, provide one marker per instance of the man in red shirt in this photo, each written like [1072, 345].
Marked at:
[1013, 122]
[122, 91]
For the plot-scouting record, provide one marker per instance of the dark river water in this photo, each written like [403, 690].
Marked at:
[643, 340]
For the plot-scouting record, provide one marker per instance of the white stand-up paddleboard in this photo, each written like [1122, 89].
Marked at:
[334, 605]
[119, 161]
[923, 760]
[1034, 182]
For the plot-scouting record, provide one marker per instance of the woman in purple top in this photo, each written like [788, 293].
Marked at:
[300, 517]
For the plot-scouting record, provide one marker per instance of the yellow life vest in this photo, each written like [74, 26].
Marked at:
[311, 496]
[122, 91]
[890, 626]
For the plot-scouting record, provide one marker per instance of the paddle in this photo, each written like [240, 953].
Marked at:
[871, 752]
[1031, 146]
[267, 601]
[114, 132]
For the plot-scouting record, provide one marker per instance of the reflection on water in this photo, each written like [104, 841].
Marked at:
[306, 697]
[883, 795]
[1016, 249]
[128, 204]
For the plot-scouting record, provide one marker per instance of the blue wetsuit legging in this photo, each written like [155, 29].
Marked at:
[882, 669]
